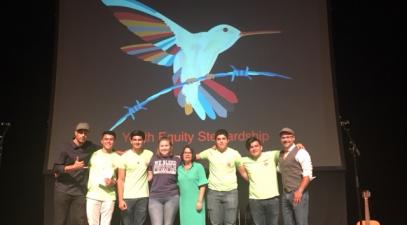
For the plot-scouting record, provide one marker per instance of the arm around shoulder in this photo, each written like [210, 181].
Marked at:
[243, 172]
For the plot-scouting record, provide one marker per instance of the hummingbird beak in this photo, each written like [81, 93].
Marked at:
[243, 34]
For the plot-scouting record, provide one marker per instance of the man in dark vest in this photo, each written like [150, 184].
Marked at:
[296, 171]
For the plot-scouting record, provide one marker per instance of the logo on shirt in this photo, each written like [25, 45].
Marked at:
[266, 162]
[165, 167]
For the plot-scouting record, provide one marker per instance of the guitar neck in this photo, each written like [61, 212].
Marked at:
[367, 213]
[367, 221]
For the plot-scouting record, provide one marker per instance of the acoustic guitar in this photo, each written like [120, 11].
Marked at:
[367, 221]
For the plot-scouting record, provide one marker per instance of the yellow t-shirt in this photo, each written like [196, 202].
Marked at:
[263, 183]
[135, 165]
[222, 168]
[102, 165]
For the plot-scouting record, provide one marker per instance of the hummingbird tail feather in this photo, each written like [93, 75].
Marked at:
[206, 105]
[215, 99]
[176, 79]
[217, 107]
[188, 109]
[222, 91]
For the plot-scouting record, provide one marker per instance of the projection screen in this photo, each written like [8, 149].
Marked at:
[184, 69]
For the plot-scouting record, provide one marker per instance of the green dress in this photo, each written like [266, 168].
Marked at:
[189, 182]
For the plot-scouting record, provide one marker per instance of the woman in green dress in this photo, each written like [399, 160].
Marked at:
[192, 184]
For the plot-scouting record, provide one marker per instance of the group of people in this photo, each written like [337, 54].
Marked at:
[90, 178]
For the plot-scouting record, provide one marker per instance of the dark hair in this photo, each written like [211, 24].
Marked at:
[250, 140]
[165, 138]
[192, 151]
[137, 133]
[220, 132]
[109, 132]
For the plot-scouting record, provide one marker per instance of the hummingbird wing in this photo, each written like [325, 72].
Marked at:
[158, 31]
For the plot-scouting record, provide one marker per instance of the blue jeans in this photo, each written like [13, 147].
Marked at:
[163, 210]
[222, 206]
[294, 214]
[265, 211]
[136, 211]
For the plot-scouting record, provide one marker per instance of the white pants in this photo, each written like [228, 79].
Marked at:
[99, 212]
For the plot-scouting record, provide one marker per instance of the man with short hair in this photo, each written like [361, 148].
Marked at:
[296, 171]
[71, 174]
[261, 172]
[222, 197]
[132, 184]
[101, 196]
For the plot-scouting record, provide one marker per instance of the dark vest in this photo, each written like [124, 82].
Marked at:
[291, 171]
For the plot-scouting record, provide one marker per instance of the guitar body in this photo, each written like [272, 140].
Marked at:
[371, 222]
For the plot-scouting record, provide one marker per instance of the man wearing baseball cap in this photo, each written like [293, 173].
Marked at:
[71, 175]
[296, 171]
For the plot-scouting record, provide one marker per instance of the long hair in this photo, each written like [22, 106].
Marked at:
[165, 138]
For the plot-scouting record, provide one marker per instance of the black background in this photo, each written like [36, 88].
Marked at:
[366, 46]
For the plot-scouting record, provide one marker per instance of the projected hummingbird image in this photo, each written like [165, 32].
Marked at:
[191, 56]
